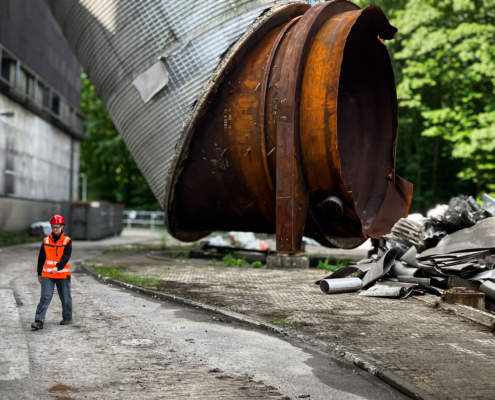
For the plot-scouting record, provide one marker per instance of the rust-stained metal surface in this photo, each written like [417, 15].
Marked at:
[297, 135]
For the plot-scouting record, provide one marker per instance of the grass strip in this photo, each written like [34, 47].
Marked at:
[120, 273]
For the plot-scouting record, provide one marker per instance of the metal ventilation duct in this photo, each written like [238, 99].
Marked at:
[119, 42]
[250, 116]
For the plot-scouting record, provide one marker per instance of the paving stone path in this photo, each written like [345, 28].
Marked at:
[448, 356]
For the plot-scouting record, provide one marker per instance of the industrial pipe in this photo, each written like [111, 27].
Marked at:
[249, 116]
[340, 285]
[298, 137]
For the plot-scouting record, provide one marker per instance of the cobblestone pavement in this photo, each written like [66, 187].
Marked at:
[447, 356]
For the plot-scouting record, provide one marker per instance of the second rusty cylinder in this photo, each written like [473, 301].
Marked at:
[322, 76]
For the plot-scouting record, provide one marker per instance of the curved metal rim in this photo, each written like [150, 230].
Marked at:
[293, 67]
[264, 85]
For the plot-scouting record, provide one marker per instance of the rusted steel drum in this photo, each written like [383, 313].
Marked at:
[298, 135]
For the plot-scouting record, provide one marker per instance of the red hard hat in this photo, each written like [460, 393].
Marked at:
[57, 219]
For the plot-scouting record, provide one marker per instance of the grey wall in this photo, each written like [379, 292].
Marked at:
[18, 214]
[28, 29]
[35, 157]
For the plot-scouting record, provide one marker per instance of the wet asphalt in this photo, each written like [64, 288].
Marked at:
[116, 329]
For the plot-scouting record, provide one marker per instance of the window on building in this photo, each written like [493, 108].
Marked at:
[56, 104]
[23, 80]
[8, 68]
[39, 93]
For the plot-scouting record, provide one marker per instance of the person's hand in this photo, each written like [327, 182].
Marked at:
[54, 270]
[39, 278]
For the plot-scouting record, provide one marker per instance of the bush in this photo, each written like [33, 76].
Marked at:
[14, 238]
[229, 260]
[333, 263]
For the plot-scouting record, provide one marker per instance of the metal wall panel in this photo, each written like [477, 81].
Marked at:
[28, 29]
[117, 40]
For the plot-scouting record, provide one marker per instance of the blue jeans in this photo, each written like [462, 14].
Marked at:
[47, 287]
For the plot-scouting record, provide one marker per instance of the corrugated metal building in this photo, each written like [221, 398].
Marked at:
[40, 122]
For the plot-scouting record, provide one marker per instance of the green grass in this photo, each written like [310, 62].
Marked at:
[229, 260]
[14, 238]
[213, 262]
[256, 264]
[276, 321]
[333, 263]
[119, 274]
[180, 256]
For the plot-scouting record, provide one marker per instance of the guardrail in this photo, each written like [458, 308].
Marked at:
[141, 219]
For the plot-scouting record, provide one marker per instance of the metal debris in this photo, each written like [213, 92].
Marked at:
[329, 286]
[464, 258]
[381, 268]
[379, 290]
[488, 288]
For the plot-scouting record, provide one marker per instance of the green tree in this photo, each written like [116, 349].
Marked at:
[446, 56]
[111, 170]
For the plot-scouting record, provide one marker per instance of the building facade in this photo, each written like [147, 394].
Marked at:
[40, 122]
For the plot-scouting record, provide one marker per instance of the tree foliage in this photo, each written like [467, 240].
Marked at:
[111, 170]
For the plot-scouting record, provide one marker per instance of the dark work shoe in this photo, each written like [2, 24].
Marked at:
[66, 322]
[37, 325]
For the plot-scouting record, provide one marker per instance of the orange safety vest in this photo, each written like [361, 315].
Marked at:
[54, 252]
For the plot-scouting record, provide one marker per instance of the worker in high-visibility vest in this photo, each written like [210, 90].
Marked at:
[54, 269]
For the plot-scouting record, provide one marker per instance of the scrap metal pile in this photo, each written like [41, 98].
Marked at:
[453, 246]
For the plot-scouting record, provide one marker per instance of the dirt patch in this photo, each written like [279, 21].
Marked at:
[60, 387]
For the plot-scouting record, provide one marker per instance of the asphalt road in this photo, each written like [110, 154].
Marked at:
[126, 346]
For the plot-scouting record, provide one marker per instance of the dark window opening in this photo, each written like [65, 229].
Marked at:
[56, 104]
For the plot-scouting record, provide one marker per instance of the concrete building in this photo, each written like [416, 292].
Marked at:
[40, 122]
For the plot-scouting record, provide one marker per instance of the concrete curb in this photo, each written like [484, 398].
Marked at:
[337, 350]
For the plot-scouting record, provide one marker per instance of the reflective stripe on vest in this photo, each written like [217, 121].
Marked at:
[62, 270]
[54, 252]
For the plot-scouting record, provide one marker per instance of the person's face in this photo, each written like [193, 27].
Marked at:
[56, 229]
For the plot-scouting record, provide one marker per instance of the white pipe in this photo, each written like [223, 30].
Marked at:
[329, 286]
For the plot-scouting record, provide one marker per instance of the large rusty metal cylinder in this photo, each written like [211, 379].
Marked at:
[266, 116]
[297, 135]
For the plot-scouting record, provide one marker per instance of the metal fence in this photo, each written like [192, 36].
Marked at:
[144, 219]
